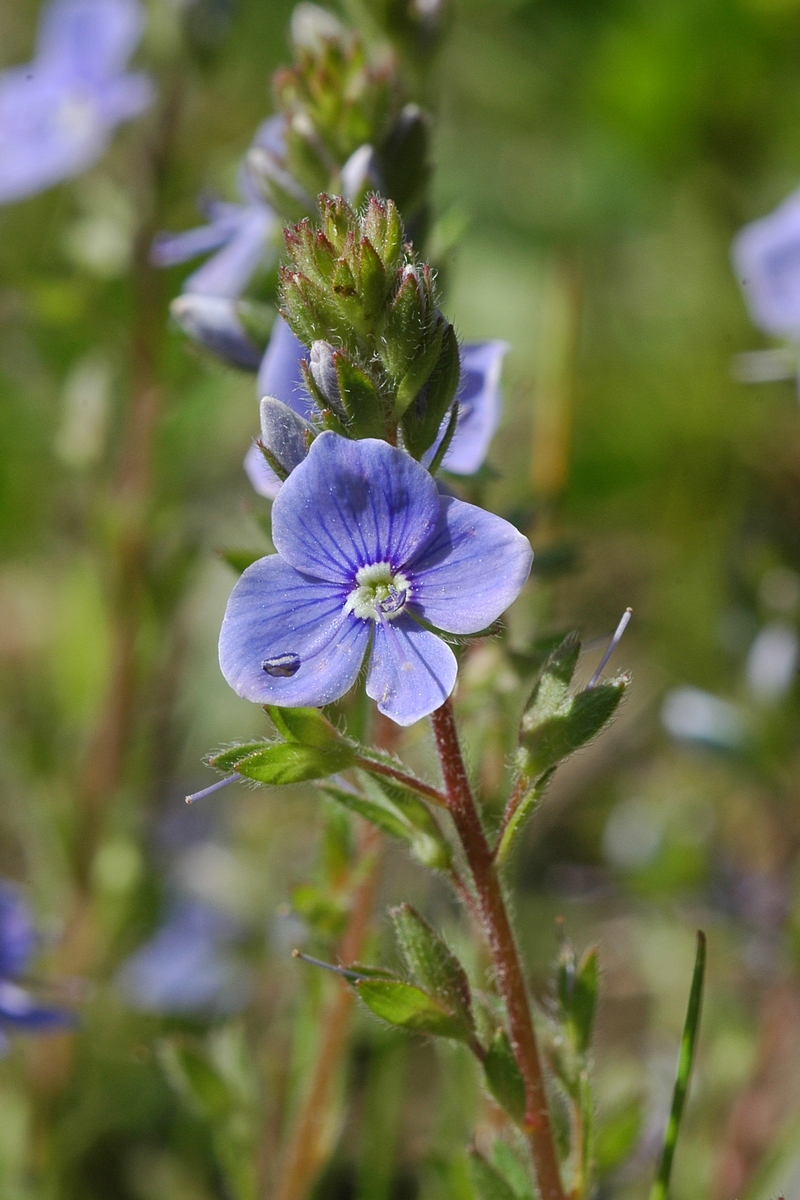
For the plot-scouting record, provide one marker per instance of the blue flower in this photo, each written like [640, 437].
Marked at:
[58, 112]
[479, 401]
[186, 965]
[766, 258]
[18, 1009]
[371, 560]
[240, 234]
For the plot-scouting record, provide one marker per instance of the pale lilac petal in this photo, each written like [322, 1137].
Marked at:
[91, 39]
[280, 375]
[351, 504]
[231, 269]
[472, 569]
[411, 671]
[479, 406]
[19, 1010]
[274, 613]
[125, 97]
[766, 258]
[261, 474]
[169, 249]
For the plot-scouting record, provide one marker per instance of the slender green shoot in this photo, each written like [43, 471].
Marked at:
[660, 1188]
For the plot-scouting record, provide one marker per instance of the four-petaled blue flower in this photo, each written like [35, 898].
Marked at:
[766, 258]
[240, 234]
[479, 403]
[371, 560]
[18, 1009]
[58, 112]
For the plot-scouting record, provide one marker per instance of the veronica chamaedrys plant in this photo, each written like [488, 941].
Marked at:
[58, 112]
[19, 1011]
[371, 560]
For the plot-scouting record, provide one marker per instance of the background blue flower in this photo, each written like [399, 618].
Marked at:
[19, 1011]
[57, 113]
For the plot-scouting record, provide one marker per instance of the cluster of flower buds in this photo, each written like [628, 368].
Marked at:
[344, 126]
[384, 361]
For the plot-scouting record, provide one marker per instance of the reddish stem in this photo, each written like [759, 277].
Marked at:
[505, 956]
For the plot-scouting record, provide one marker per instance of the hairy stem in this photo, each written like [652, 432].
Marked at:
[505, 956]
[305, 1151]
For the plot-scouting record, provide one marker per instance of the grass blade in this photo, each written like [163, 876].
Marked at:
[660, 1188]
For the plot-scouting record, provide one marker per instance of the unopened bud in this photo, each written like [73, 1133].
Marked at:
[285, 435]
[215, 324]
[323, 371]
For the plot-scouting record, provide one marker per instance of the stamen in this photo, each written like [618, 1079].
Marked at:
[213, 787]
[393, 601]
[612, 645]
[326, 966]
[282, 666]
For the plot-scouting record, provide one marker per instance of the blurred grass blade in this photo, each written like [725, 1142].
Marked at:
[660, 1188]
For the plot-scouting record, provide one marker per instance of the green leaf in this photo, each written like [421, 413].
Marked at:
[384, 816]
[319, 910]
[291, 762]
[196, 1080]
[409, 1007]
[660, 1188]
[305, 725]
[503, 1076]
[428, 843]
[514, 1169]
[433, 964]
[488, 1182]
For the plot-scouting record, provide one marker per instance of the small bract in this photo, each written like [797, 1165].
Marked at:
[372, 561]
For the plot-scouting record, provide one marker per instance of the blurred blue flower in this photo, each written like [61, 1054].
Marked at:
[479, 401]
[58, 112]
[238, 236]
[19, 1011]
[186, 966]
[691, 715]
[766, 259]
[371, 560]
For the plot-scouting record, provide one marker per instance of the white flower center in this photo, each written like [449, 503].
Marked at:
[379, 595]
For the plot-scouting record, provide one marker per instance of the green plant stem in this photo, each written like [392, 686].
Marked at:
[503, 948]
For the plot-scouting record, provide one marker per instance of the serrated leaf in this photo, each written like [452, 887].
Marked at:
[503, 1076]
[305, 725]
[290, 762]
[488, 1182]
[409, 1007]
[432, 963]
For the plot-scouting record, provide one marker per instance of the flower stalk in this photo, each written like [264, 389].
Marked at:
[505, 955]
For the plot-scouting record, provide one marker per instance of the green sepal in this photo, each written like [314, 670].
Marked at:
[409, 1007]
[546, 742]
[384, 228]
[383, 816]
[338, 220]
[503, 1077]
[360, 398]
[288, 762]
[577, 994]
[421, 428]
[432, 963]
[371, 280]
[420, 371]
[551, 689]
[489, 1184]
[405, 328]
[306, 725]
[428, 844]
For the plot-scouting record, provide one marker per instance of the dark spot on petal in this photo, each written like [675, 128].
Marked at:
[282, 666]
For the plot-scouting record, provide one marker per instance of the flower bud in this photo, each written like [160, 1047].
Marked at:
[214, 322]
[285, 436]
[360, 174]
[323, 371]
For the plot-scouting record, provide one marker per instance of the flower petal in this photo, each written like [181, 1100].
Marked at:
[478, 406]
[261, 474]
[766, 259]
[473, 568]
[350, 504]
[280, 375]
[89, 39]
[411, 671]
[18, 1008]
[275, 613]
[230, 270]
